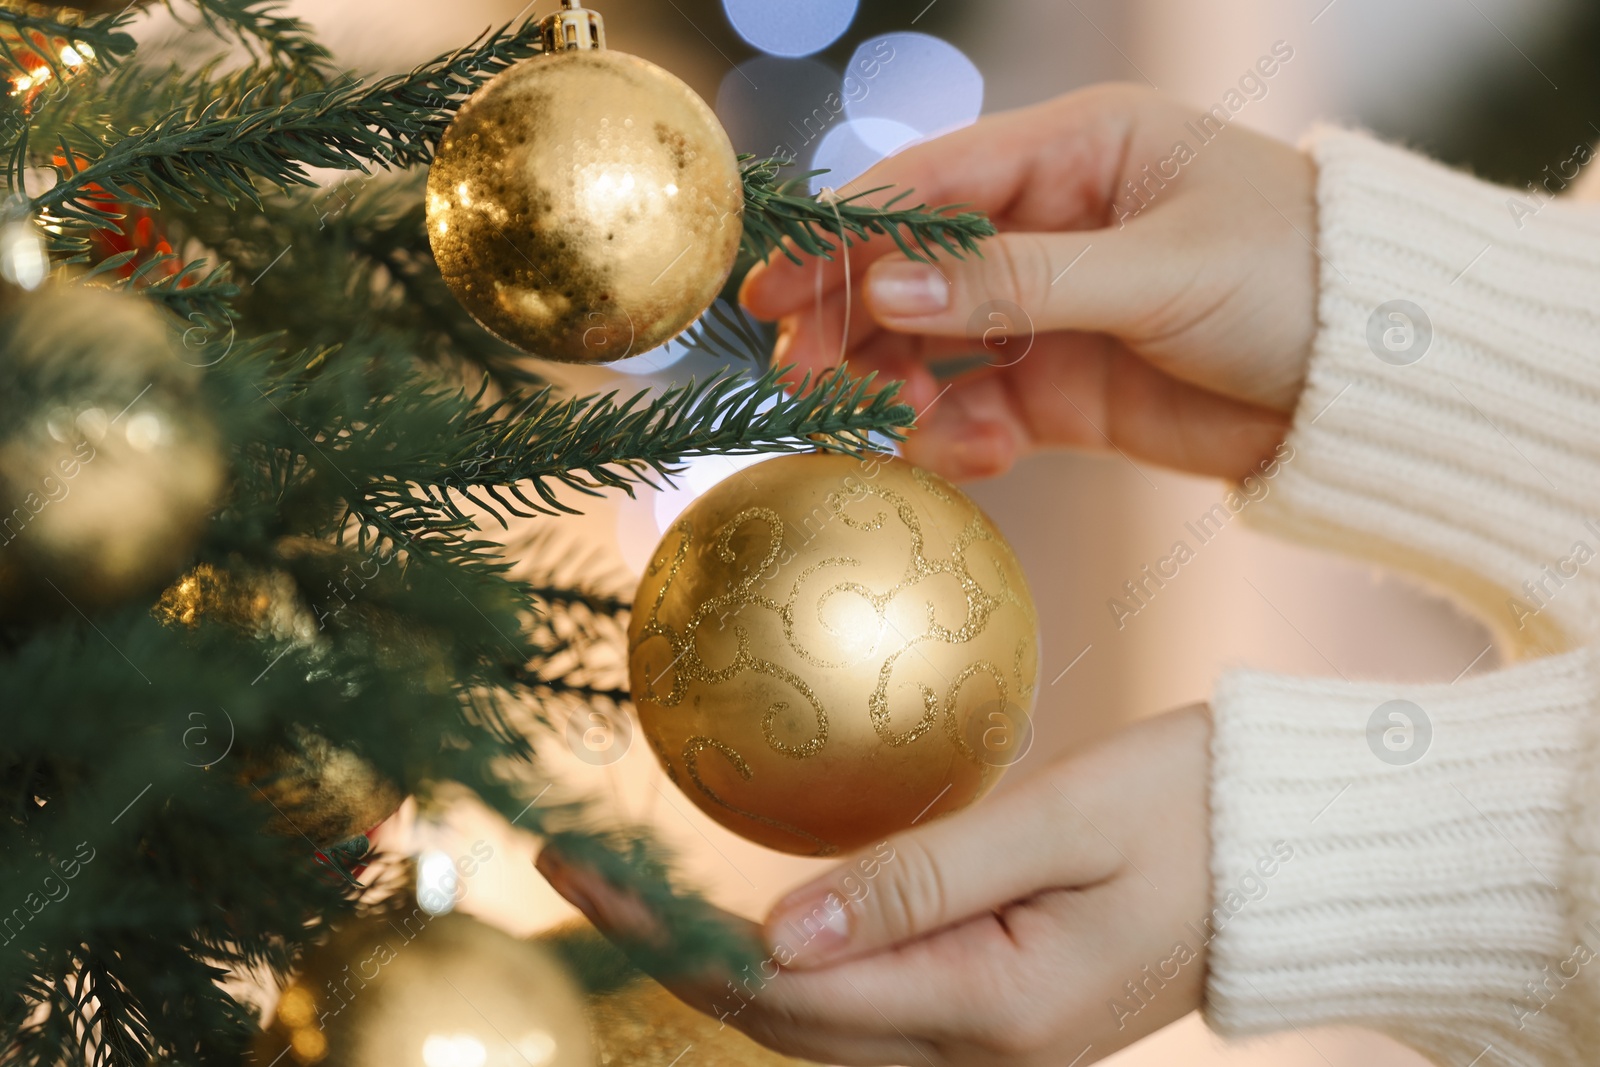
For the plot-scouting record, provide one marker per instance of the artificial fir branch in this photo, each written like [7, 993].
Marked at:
[595, 443]
[728, 332]
[360, 473]
[404, 463]
[185, 158]
[359, 269]
[192, 291]
[195, 293]
[777, 211]
[259, 24]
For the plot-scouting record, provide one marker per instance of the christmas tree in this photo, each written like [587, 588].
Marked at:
[250, 586]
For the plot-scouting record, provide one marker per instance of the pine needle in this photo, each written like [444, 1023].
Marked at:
[778, 215]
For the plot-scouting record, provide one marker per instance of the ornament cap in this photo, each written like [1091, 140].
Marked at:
[574, 28]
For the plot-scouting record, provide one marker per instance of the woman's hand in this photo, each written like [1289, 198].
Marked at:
[1004, 935]
[1171, 318]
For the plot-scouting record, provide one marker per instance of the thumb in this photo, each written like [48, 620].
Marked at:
[1100, 280]
[1006, 849]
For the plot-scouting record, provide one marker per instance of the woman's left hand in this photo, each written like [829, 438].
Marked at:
[1040, 925]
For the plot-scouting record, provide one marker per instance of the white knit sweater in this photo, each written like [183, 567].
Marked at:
[1444, 884]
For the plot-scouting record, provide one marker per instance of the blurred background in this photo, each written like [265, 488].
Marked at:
[1505, 87]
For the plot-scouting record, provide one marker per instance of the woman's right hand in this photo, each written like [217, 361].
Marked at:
[1177, 332]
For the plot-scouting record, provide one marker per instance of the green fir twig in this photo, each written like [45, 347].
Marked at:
[726, 331]
[274, 38]
[185, 158]
[592, 444]
[777, 211]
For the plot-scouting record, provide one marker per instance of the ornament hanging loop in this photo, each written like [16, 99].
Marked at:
[574, 29]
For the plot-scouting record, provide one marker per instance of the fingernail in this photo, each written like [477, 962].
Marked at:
[908, 289]
[811, 927]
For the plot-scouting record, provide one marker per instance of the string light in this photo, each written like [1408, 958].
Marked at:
[75, 57]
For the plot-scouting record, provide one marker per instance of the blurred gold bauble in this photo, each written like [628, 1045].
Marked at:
[320, 791]
[585, 205]
[643, 1025]
[637, 1023]
[264, 604]
[409, 989]
[109, 464]
[825, 650]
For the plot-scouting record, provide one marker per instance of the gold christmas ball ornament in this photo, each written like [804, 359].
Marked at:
[825, 650]
[263, 604]
[109, 465]
[585, 205]
[319, 791]
[637, 1023]
[410, 989]
[643, 1025]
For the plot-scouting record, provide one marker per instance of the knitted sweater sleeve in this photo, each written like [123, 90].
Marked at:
[1425, 860]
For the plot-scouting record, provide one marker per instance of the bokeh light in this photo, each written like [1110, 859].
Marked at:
[699, 475]
[852, 148]
[921, 81]
[654, 361]
[790, 29]
[779, 107]
[437, 882]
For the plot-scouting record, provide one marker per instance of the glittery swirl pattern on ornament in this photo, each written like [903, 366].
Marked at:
[831, 632]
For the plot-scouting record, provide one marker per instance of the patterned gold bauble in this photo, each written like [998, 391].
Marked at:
[825, 650]
[585, 205]
[319, 791]
[409, 989]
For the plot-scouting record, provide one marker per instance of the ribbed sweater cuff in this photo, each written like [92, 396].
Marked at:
[1477, 465]
[1414, 858]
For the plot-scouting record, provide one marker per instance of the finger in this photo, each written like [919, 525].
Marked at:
[971, 432]
[824, 333]
[808, 345]
[1075, 144]
[1106, 280]
[825, 1020]
[892, 1006]
[901, 996]
[810, 342]
[780, 286]
[1182, 426]
[622, 916]
[1087, 391]
[937, 875]
[892, 357]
